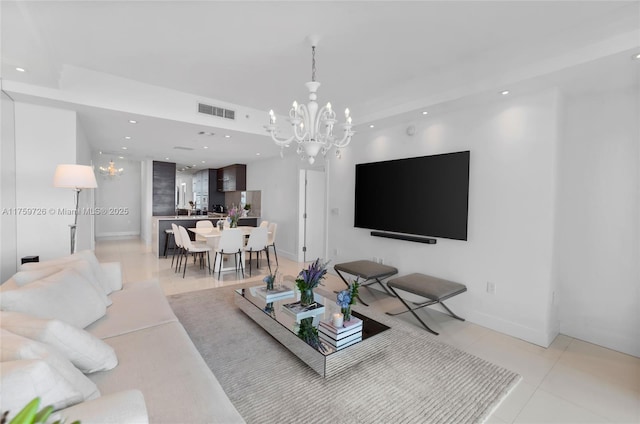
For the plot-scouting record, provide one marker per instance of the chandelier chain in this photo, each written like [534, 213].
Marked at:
[313, 63]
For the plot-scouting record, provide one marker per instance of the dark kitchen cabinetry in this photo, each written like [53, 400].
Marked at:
[232, 178]
[164, 188]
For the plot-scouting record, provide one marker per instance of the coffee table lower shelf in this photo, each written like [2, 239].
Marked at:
[324, 364]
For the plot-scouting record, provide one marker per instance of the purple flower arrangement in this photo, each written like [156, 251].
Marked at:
[234, 214]
[309, 278]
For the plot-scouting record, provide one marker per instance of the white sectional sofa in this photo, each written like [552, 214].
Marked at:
[159, 378]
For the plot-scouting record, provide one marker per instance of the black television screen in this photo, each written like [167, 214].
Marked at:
[427, 196]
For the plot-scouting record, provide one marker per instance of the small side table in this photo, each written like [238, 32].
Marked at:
[372, 272]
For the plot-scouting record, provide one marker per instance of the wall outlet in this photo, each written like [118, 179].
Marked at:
[491, 287]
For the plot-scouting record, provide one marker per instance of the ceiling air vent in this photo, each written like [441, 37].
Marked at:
[216, 111]
[182, 148]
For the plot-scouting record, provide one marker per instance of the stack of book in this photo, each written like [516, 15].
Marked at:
[275, 294]
[341, 337]
[301, 312]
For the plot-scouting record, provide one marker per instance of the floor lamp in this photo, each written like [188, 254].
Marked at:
[76, 177]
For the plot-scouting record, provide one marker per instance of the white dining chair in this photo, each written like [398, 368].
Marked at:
[204, 223]
[197, 249]
[264, 224]
[271, 240]
[257, 244]
[231, 243]
[178, 248]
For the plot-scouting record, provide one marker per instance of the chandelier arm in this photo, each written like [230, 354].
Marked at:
[282, 142]
[303, 115]
[346, 139]
[331, 115]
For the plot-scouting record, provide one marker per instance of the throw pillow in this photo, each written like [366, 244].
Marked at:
[87, 352]
[83, 267]
[86, 255]
[64, 296]
[23, 380]
[16, 347]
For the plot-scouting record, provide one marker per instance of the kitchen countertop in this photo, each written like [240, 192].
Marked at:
[214, 216]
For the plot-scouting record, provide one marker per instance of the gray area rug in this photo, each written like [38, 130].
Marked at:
[416, 380]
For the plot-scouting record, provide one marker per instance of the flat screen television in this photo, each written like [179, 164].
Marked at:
[425, 196]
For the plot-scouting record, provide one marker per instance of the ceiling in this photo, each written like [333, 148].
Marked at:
[385, 60]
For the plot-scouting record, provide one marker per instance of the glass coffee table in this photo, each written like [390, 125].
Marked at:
[277, 320]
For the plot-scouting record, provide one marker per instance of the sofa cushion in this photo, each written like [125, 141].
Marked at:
[163, 363]
[138, 306]
[86, 255]
[23, 380]
[82, 266]
[14, 347]
[64, 296]
[88, 353]
[126, 407]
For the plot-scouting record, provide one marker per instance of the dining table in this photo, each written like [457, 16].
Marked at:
[212, 235]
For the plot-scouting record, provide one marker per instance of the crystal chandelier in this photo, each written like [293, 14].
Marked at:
[312, 128]
[111, 170]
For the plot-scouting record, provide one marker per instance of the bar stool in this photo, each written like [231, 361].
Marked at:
[168, 234]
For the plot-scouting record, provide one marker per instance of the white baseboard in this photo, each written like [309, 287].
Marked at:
[118, 234]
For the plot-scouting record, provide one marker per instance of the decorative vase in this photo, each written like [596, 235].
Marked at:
[270, 284]
[306, 297]
[346, 312]
[234, 224]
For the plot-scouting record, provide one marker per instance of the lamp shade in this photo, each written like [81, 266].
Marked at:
[74, 176]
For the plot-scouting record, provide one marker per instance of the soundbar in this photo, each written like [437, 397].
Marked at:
[407, 237]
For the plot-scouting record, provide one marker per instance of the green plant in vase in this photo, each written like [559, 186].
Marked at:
[346, 298]
[308, 279]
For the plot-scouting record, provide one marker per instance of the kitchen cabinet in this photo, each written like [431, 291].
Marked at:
[164, 188]
[232, 178]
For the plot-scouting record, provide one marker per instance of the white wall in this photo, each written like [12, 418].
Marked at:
[8, 221]
[598, 214]
[45, 137]
[278, 180]
[121, 198]
[513, 145]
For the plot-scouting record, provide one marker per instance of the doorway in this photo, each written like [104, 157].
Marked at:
[313, 216]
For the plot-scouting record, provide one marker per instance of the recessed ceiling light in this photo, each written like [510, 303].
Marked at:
[166, 158]
[100, 152]
[202, 161]
[257, 154]
[131, 121]
[121, 157]
[371, 126]
[205, 147]
[21, 70]
[425, 112]
[127, 137]
[636, 56]
[504, 92]
[124, 148]
[227, 136]
[193, 165]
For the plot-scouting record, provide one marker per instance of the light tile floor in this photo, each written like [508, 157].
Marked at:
[570, 382]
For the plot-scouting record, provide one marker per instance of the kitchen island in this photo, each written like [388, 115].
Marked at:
[161, 223]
